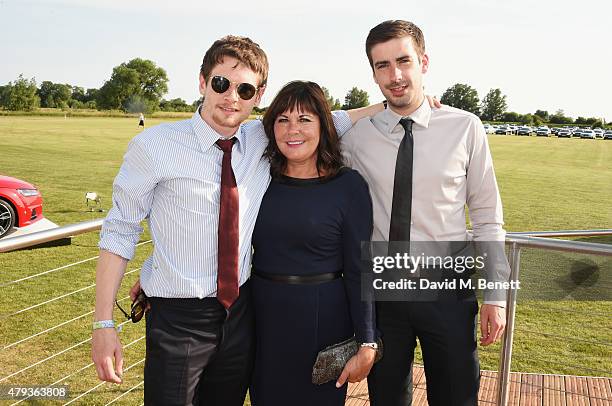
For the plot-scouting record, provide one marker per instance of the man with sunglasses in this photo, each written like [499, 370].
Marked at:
[199, 182]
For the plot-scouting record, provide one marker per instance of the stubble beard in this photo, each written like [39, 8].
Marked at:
[402, 103]
[228, 122]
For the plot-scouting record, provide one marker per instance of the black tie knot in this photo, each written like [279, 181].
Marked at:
[226, 145]
[406, 122]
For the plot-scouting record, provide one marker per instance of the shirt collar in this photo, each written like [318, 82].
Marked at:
[207, 136]
[420, 116]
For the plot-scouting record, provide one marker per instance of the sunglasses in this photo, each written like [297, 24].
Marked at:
[220, 84]
[138, 308]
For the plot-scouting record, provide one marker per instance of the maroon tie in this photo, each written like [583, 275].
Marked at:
[227, 273]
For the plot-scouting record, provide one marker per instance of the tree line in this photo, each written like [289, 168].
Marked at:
[493, 107]
[139, 86]
[134, 86]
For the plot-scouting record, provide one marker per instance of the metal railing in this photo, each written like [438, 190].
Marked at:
[28, 240]
[516, 241]
[562, 233]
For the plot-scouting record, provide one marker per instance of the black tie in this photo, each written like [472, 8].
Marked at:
[401, 209]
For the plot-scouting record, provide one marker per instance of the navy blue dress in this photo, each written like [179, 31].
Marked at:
[307, 227]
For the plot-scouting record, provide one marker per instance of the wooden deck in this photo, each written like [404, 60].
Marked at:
[525, 390]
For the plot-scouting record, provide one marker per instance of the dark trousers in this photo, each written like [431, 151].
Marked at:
[446, 330]
[197, 352]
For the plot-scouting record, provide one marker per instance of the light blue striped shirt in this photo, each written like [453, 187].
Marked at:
[171, 176]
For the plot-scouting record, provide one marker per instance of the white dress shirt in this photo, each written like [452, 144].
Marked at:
[171, 176]
[452, 168]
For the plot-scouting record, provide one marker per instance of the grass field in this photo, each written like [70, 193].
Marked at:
[92, 113]
[546, 184]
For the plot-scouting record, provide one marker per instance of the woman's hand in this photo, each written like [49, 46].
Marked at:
[358, 367]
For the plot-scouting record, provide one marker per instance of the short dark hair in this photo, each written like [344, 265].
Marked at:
[391, 29]
[241, 48]
[304, 96]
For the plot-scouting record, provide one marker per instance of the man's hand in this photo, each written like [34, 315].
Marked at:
[492, 323]
[105, 344]
[358, 367]
[433, 102]
[105, 348]
[134, 291]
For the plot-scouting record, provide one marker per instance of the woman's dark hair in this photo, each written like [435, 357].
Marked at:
[304, 96]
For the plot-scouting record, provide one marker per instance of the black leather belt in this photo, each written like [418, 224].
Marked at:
[299, 279]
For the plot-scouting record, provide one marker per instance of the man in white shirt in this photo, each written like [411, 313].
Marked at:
[199, 184]
[423, 167]
[200, 324]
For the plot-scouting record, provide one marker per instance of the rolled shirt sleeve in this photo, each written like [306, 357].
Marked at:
[133, 190]
[342, 121]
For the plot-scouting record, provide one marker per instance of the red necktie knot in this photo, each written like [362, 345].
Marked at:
[226, 145]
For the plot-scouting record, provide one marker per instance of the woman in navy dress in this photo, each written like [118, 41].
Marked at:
[306, 264]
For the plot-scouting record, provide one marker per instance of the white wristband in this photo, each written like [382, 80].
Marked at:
[103, 324]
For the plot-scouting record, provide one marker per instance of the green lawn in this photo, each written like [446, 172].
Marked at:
[546, 184]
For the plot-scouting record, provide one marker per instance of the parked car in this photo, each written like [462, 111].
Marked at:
[524, 130]
[608, 135]
[599, 133]
[587, 133]
[488, 128]
[20, 204]
[554, 130]
[503, 130]
[543, 131]
[576, 132]
[564, 132]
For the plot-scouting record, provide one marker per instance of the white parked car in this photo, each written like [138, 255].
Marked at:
[564, 132]
[608, 135]
[587, 133]
[543, 131]
[599, 133]
[489, 129]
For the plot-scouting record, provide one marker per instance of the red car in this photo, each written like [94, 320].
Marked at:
[20, 204]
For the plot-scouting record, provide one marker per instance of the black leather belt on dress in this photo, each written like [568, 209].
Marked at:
[299, 279]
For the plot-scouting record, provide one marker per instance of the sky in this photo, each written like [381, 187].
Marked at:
[542, 54]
